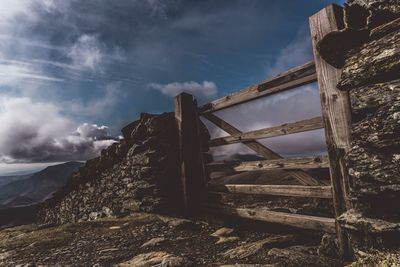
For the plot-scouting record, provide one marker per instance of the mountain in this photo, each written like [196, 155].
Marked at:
[36, 187]
[12, 178]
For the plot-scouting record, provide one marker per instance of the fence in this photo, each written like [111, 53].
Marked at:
[335, 120]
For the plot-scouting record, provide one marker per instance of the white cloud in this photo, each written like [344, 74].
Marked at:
[296, 53]
[87, 53]
[49, 5]
[11, 8]
[104, 101]
[38, 132]
[17, 72]
[203, 90]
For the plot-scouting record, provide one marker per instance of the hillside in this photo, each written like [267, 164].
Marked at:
[36, 187]
[12, 178]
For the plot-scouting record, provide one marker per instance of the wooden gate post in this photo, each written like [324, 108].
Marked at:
[193, 182]
[336, 113]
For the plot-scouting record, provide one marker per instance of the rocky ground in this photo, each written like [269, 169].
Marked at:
[154, 240]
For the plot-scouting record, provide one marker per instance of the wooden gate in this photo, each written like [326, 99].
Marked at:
[335, 120]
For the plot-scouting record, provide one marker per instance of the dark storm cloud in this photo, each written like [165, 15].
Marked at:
[95, 60]
[37, 132]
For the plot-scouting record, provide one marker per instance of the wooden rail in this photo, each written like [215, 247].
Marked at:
[335, 120]
[303, 177]
[285, 129]
[284, 164]
[290, 219]
[274, 190]
[292, 78]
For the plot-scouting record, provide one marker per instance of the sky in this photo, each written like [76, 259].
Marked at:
[73, 73]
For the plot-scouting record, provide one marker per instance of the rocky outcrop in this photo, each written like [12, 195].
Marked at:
[137, 174]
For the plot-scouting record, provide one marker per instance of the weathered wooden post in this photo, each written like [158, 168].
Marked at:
[336, 113]
[190, 152]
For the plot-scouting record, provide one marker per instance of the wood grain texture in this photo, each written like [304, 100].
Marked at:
[302, 177]
[290, 219]
[274, 190]
[284, 164]
[285, 129]
[191, 163]
[295, 77]
[335, 107]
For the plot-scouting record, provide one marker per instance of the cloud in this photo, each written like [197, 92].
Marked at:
[87, 53]
[11, 8]
[296, 53]
[290, 106]
[17, 72]
[202, 90]
[38, 132]
[103, 101]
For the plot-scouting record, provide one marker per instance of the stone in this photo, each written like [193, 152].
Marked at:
[107, 212]
[156, 259]
[300, 256]
[370, 233]
[154, 242]
[94, 216]
[177, 222]
[376, 258]
[249, 265]
[133, 175]
[379, 11]
[334, 45]
[372, 160]
[224, 231]
[244, 251]
[385, 29]
[5, 255]
[355, 16]
[374, 62]
[227, 239]
[329, 246]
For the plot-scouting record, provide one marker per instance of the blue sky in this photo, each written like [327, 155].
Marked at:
[73, 73]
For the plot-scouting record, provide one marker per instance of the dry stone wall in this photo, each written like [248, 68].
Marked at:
[371, 74]
[136, 174]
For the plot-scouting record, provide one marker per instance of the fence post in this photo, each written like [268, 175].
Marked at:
[336, 113]
[191, 164]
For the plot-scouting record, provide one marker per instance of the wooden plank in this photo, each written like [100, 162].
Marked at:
[292, 78]
[285, 164]
[303, 177]
[275, 190]
[290, 219]
[335, 106]
[284, 129]
[192, 174]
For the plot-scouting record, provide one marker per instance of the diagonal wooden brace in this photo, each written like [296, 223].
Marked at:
[303, 177]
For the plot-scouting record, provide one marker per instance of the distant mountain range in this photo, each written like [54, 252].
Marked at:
[12, 178]
[25, 190]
